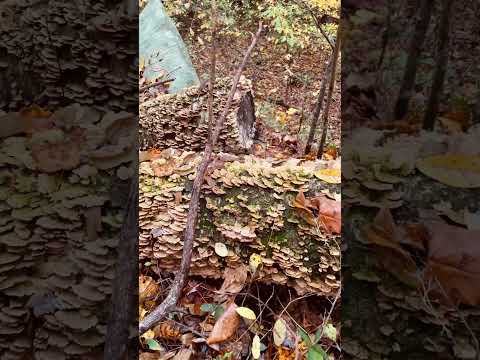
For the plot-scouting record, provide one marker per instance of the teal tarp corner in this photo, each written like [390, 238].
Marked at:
[158, 34]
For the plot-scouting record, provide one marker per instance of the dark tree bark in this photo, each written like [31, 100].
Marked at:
[318, 106]
[123, 308]
[401, 106]
[442, 60]
[331, 86]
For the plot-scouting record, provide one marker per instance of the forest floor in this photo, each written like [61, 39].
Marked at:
[284, 103]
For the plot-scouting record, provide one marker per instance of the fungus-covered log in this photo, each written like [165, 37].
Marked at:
[62, 188]
[247, 205]
[180, 120]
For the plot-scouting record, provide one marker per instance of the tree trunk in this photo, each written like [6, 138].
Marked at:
[401, 107]
[247, 205]
[180, 120]
[442, 60]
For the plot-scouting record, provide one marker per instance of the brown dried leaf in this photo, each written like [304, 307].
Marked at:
[329, 213]
[225, 326]
[234, 279]
[148, 290]
[454, 260]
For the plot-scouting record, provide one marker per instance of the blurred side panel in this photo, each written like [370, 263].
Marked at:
[410, 186]
[68, 162]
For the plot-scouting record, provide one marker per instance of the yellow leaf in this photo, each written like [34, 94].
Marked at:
[148, 335]
[279, 332]
[331, 176]
[254, 262]
[459, 171]
[256, 347]
[246, 313]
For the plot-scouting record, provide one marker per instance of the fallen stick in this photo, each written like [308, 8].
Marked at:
[174, 294]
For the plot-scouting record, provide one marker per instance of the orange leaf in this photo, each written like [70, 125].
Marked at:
[329, 213]
[225, 326]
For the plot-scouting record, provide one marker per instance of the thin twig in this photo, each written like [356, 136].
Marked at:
[189, 234]
[213, 63]
[318, 106]
[331, 86]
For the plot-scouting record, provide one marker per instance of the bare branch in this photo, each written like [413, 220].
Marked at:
[329, 95]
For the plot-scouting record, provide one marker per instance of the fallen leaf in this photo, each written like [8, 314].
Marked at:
[254, 262]
[279, 332]
[167, 330]
[234, 279]
[331, 176]
[454, 261]
[221, 249]
[316, 353]
[147, 290]
[154, 345]
[384, 234]
[329, 213]
[225, 326]
[330, 332]
[246, 313]
[256, 347]
[460, 171]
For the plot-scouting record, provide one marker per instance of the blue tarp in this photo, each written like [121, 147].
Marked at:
[158, 35]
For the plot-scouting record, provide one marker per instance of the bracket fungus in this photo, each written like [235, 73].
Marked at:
[239, 210]
[180, 120]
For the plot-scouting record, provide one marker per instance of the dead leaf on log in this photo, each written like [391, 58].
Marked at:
[234, 280]
[329, 213]
[384, 233]
[454, 260]
[225, 326]
[320, 210]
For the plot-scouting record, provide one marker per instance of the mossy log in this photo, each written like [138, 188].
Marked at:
[180, 120]
[62, 196]
[247, 206]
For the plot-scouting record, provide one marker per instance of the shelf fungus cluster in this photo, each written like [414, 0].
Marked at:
[61, 180]
[84, 62]
[181, 121]
[247, 206]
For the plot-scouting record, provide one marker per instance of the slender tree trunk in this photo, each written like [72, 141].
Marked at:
[442, 60]
[318, 106]
[123, 313]
[401, 106]
[331, 86]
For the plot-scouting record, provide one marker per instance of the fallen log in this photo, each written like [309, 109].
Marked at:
[180, 120]
[246, 206]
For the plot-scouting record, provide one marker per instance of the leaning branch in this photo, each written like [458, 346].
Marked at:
[175, 291]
